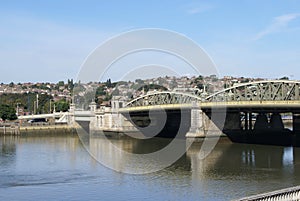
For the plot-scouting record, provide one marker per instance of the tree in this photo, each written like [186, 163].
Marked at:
[11, 84]
[284, 78]
[26, 101]
[108, 83]
[62, 105]
[100, 91]
[148, 87]
[200, 86]
[139, 81]
[61, 83]
[7, 112]
[199, 78]
[70, 84]
[245, 80]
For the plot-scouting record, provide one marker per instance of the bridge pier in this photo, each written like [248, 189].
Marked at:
[71, 115]
[296, 123]
[232, 121]
[106, 119]
[261, 122]
[276, 122]
[201, 124]
[246, 125]
[296, 130]
[248, 121]
[197, 122]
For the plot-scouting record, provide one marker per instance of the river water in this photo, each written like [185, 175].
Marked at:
[58, 167]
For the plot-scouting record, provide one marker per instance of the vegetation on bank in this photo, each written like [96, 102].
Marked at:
[33, 103]
[7, 112]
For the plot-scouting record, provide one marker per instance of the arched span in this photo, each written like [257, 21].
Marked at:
[267, 90]
[163, 98]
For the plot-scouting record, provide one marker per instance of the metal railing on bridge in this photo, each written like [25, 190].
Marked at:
[265, 93]
[287, 194]
[267, 90]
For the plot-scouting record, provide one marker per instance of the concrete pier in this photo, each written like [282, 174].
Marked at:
[205, 123]
[197, 123]
[108, 119]
[276, 122]
[296, 123]
[261, 122]
[233, 121]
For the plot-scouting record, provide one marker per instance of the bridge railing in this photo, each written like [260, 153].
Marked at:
[290, 194]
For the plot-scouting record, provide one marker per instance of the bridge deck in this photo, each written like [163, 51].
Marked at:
[36, 116]
[267, 105]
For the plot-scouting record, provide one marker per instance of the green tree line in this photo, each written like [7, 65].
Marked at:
[7, 112]
[27, 101]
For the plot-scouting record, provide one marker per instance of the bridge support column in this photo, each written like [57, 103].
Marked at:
[93, 119]
[201, 124]
[214, 123]
[261, 122]
[246, 121]
[248, 125]
[233, 121]
[197, 128]
[296, 131]
[296, 123]
[276, 122]
[71, 115]
[250, 121]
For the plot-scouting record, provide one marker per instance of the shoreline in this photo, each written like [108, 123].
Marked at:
[13, 129]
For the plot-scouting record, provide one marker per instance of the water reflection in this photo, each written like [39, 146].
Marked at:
[136, 156]
[251, 168]
[36, 160]
[225, 159]
[230, 171]
[7, 150]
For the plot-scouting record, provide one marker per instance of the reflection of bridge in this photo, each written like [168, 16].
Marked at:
[249, 108]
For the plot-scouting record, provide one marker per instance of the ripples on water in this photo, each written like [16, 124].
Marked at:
[59, 168]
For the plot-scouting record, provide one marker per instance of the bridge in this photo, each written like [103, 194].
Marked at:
[282, 93]
[254, 108]
[61, 116]
[292, 193]
[248, 112]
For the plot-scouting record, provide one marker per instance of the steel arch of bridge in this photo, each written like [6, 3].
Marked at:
[163, 98]
[270, 90]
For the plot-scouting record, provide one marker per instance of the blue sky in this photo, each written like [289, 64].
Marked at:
[49, 40]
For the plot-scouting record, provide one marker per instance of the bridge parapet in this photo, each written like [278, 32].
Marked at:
[252, 93]
[270, 90]
[292, 193]
[163, 98]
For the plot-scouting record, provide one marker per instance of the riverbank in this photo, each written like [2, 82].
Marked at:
[9, 129]
[60, 128]
[15, 129]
